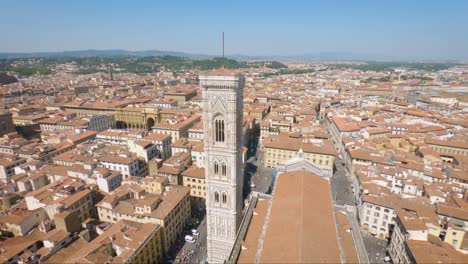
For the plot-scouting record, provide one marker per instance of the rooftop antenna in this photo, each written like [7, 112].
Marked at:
[222, 62]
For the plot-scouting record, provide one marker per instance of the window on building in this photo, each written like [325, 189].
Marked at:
[219, 128]
[216, 168]
[216, 196]
[224, 198]
[223, 169]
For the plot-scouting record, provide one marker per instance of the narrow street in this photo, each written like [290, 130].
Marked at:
[341, 185]
[185, 252]
[376, 248]
[256, 173]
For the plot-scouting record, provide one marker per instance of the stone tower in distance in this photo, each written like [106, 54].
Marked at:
[222, 93]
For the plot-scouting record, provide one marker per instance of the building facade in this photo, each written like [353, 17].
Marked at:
[222, 93]
[281, 150]
[6, 123]
[170, 210]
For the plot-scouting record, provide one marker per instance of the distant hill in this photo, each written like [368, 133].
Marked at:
[90, 63]
[330, 56]
[320, 56]
[93, 53]
[7, 79]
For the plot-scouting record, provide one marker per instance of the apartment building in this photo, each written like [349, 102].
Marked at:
[18, 220]
[183, 145]
[174, 166]
[7, 166]
[377, 214]
[343, 127]
[281, 149]
[376, 133]
[455, 220]
[144, 149]
[126, 164]
[198, 155]
[194, 177]
[415, 239]
[196, 132]
[177, 128]
[131, 242]
[162, 143]
[96, 122]
[6, 123]
[448, 147]
[42, 151]
[120, 136]
[180, 96]
[64, 195]
[155, 184]
[131, 137]
[170, 210]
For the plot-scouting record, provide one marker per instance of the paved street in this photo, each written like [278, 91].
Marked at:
[255, 172]
[376, 248]
[341, 185]
[185, 252]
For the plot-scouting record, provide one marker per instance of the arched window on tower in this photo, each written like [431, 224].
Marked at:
[216, 168]
[224, 198]
[219, 128]
[223, 169]
[216, 197]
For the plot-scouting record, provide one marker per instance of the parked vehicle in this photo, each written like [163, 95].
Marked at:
[195, 232]
[190, 239]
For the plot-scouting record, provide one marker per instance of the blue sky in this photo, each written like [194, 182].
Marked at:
[411, 28]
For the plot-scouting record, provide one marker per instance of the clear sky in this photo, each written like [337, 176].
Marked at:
[402, 28]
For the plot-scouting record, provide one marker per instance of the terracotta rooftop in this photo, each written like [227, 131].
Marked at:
[426, 252]
[324, 147]
[250, 242]
[301, 227]
[222, 72]
[195, 172]
[347, 241]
